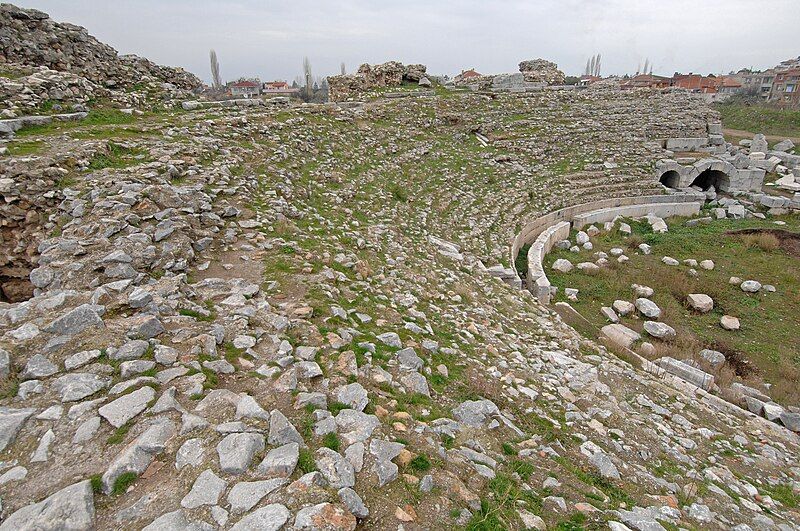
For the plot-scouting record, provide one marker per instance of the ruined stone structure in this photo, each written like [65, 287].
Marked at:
[541, 71]
[368, 77]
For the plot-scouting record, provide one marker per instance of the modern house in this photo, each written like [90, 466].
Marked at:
[758, 82]
[465, 76]
[279, 88]
[786, 87]
[245, 89]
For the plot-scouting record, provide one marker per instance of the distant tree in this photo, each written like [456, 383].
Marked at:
[307, 74]
[216, 79]
[343, 71]
[596, 71]
[571, 80]
[294, 84]
[588, 68]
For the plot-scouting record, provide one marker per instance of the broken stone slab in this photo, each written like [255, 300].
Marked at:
[11, 421]
[621, 334]
[177, 521]
[269, 518]
[280, 461]
[124, 408]
[659, 330]
[686, 372]
[206, 490]
[335, 467]
[647, 308]
[355, 426]
[713, 357]
[354, 395]
[38, 366]
[325, 516]
[281, 431]
[77, 386]
[77, 320]
[353, 502]
[237, 450]
[71, 508]
[138, 455]
[190, 453]
[729, 322]
[247, 494]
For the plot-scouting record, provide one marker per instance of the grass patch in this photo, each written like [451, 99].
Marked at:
[760, 119]
[336, 407]
[331, 440]
[97, 483]
[25, 147]
[119, 434]
[767, 341]
[116, 156]
[306, 461]
[421, 463]
[124, 481]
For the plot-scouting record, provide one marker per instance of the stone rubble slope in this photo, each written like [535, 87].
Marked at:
[283, 318]
[30, 37]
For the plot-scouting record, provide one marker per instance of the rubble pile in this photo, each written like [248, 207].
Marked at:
[368, 77]
[541, 71]
[30, 37]
[32, 91]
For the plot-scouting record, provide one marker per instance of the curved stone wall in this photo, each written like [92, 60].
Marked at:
[543, 232]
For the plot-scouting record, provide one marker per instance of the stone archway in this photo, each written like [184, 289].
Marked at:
[670, 179]
[720, 180]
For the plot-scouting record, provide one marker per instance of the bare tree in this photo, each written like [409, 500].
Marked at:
[587, 71]
[343, 69]
[596, 72]
[307, 74]
[216, 79]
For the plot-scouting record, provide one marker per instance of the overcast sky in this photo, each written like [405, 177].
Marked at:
[268, 38]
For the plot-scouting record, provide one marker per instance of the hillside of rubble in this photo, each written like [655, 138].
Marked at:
[281, 316]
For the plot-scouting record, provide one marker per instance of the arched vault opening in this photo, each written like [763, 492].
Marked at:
[716, 178]
[670, 179]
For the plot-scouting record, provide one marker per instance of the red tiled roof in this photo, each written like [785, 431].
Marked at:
[245, 84]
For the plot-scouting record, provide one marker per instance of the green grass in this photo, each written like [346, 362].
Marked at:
[119, 434]
[306, 461]
[784, 494]
[420, 463]
[117, 156]
[95, 118]
[331, 440]
[124, 481]
[97, 483]
[760, 119]
[24, 148]
[197, 315]
[767, 337]
[336, 407]
[498, 510]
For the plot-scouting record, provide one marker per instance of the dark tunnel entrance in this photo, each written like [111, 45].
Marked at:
[670, 179]
[718, 179]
